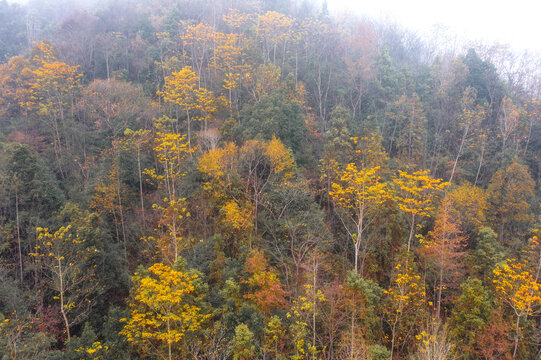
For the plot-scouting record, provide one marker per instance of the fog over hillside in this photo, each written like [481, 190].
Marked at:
[274, 179]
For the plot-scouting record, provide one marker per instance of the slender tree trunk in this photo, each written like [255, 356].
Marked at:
[358, 240]
[412, 230]
[57, 146]
[393, 336]
[356, 245]
[352, 335]
[18, 232]
[122, 224]
[459, 152]
[517, 329]
[107, 62]
[440, 289]
[168, 341]
[62, 311]
[175, 240]
[480, 164]
[140, 184]
[314, 284]
[124, 240]
[189, 132]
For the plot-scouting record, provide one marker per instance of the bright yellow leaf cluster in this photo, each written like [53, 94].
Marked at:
[407, 291]
[161, 311]
[359, 188]
[517, 286]
[417, 191]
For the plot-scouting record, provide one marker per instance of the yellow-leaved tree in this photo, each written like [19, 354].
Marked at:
[63, 256]
[181, 88]
[171, 149]
[249, 168]
[54, 84]
[415, 194]
[405, 304]
[518, 287]
[358, 193]
[163, 310]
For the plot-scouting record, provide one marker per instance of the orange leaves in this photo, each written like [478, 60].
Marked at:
[223, 52]
[267, 292]
[44, 82]
[517, 284]
[53, 80]
[55, 245]
[415, 194]
[105, 198]
[16, 78]
[445, 242]
[274, 28]
[57, 74]
[170, 150]
[63, 257]
[405, 305]
[233, 170]
[43, 52]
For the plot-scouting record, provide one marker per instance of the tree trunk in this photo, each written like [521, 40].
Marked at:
[189, 132]
[440, 289]
[314, 283]
[459, 152]
[480, 164]
[517, 329]
[393, 336]
[352, 339]
[412, 230]
[62, 311]
[140, 184]
[169, 341]
[18, 232]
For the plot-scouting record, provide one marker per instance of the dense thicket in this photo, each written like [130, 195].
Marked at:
[259, 180]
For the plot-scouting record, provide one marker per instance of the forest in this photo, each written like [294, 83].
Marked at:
[260, 179]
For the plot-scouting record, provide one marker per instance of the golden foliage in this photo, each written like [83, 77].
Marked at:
[161, 310]
[416, 191]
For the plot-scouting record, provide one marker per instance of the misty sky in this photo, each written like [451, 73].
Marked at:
[516, 23]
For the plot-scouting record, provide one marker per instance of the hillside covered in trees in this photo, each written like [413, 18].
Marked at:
[190, 179]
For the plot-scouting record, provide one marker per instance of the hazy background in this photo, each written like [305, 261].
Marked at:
[511, 22]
